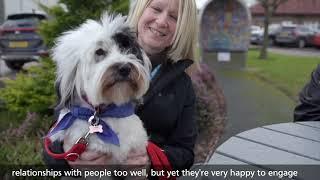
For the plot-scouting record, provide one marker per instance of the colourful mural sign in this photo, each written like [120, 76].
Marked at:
[225, 26]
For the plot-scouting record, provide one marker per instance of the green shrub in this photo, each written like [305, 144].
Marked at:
[21, 151]
[75, 13]
[31, 91]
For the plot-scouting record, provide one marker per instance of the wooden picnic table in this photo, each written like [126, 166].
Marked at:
[275, 147]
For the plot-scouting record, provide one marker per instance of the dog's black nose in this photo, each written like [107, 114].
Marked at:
[124, 70]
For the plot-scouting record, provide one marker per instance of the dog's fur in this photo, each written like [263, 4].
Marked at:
[89, 59]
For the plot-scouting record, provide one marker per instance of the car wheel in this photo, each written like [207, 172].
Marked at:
[301, 43]
[14, 65]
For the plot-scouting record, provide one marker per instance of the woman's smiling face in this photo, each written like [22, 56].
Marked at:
[157, 25]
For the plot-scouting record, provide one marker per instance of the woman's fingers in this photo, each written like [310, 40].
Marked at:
[88, 158]
[102, 160]
[92, 156]
[138, 158]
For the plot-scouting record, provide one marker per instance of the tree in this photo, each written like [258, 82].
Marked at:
[75, 12]
[270, 7]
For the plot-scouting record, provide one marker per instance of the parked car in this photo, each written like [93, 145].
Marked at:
[316, 40]
[19, 40]
[272, 31]
[256, 34]
[300, 36]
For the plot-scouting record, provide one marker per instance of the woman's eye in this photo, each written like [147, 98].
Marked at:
[100, 52]
[174, 17]
[156, 9]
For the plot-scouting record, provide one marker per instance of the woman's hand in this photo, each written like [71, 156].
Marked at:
[138, 158]
[137, 161]
[91, 158]
[88, 157]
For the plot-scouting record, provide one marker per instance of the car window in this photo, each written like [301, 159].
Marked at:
[303, 29]
[288, 28]
[22, 23]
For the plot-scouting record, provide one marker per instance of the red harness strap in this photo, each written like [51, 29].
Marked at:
[159, 160]
[71, 155]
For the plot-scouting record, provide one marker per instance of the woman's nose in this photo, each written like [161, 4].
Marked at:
[162, 20]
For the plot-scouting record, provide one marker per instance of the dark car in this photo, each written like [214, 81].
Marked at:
[299, 36]
[19, 40]
[257, 34]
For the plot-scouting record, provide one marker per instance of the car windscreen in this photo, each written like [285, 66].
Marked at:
[288, 28]
[21, 23]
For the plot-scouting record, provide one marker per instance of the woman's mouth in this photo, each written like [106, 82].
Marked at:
[156, 32]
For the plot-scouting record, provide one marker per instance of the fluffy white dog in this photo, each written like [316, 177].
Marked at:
[100, 67]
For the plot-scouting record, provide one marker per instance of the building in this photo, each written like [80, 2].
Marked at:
[292, 11]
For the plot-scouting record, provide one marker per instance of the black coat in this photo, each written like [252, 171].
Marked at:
[168, 112]
[309, 107]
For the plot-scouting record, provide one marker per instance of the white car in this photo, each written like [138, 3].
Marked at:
[256, 34]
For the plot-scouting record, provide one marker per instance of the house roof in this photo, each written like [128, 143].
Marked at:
[292, 7]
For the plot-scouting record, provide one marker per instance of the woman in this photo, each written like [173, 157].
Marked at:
[166, 30]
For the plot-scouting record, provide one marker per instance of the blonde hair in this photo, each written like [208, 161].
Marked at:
[186, 34]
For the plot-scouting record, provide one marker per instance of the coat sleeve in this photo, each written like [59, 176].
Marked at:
[309, 107]
[179, 148]
[56, 164]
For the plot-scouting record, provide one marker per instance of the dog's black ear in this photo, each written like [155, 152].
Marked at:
[60, 105]
[66, 88]
[126, 41]
[58, 93]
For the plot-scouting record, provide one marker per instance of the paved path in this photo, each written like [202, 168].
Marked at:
[251, 103]
[304, 52]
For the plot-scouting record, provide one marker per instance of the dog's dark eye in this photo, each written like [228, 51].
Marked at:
[100, 52]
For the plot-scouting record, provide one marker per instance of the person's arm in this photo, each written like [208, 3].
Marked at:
[86, 158]
[179, 148]
[309, 106]
[52, 163]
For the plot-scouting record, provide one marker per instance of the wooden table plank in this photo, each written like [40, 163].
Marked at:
[315, 124]
[285, 142]
[278, 147]
[298, 130]
[223, 160]
[253, 153]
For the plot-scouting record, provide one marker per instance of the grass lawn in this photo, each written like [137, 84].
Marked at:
[287, 73]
